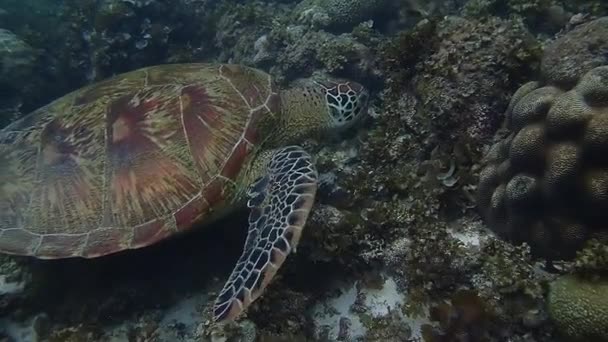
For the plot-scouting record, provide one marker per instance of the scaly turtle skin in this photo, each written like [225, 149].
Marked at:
[131, 160]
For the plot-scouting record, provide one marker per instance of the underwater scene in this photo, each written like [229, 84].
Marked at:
[303, 170]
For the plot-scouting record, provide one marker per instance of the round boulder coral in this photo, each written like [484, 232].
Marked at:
[547, 182]
[579, 308]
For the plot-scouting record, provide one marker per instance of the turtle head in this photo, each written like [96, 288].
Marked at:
[319, 107]
[345, 102]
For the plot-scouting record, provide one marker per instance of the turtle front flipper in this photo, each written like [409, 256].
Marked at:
[279, 202]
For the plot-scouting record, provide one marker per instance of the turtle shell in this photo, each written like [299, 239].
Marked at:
[126, 162]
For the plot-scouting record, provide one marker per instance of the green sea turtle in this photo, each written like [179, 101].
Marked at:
[131, 160]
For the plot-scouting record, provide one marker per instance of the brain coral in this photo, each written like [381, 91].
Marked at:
[579, 307]
[547, 182]
[352, 12]
[339, 12]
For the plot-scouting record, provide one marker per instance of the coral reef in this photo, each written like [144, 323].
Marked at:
[338, 13]
[566, 59]
[17, 60]
[458, 85]
[464, 74]
[543, 183]
[15, 282]
[465, 317]
[304, 51]
[531, 11]
[540, 16]
[387, 197]
[509, 271]
[370, 310]
[592, 259]
[17, 65]
[579, 307]
[240, 29]
[393, 221]
[113, 36]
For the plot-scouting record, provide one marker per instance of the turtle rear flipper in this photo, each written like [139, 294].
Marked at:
[279, 202]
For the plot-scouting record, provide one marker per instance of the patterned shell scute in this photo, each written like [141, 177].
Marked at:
[128, 161]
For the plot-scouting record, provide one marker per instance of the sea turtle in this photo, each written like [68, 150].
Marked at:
[131, 160]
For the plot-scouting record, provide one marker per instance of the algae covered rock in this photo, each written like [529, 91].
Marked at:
[464, 82]
[548, 16]
[306, 51]
[15, 281]
[17, 60]
[579, 307]
[593, 258]
[546, 183]
[17, 75]
[569, 57]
